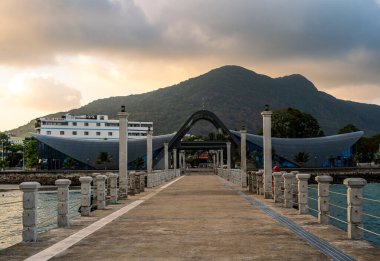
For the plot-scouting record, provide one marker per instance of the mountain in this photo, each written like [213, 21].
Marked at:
[237, 96]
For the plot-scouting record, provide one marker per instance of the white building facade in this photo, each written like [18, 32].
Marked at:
[91, 127]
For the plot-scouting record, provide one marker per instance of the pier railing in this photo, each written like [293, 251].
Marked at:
[292, 190]
[97, 191]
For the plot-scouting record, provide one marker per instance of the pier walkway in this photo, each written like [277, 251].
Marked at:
[196, 217]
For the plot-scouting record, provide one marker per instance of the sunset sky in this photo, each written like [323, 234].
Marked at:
[57, 55]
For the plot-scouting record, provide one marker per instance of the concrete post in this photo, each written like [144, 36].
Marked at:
[267, 141]
[288, 189]
[243, 157]
[303, 193]
[29, 213]
[113, 187]
[323, 198]
[228, 154]
[85, 188]
[166, 151]
[277, 187]
[295, 188]
[355, 207]
[213, 161]
[175, 162]
[63, 202]
[259, 182]
[123, 153]
[184, 161]
[221, 158]
[100, 190]
[217, 159]
[149, 158]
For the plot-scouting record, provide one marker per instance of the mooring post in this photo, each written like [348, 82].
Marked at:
[29, 213]
[303, 193]
[113, 187]
[85, 188]
[323, 198]
[100, 189]
[355, 207]
[288, 189]
[63, 202]
[277, 176]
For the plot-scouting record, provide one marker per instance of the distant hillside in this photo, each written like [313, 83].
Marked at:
[237, 96]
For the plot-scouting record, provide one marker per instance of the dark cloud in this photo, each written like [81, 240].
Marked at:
[323, 32]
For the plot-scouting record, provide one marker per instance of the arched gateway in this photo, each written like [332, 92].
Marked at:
[176, 141]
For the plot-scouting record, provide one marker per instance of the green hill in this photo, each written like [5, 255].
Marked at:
[237, 96]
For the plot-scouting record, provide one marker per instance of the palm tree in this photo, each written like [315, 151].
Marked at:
[301, 158]
[103, 158]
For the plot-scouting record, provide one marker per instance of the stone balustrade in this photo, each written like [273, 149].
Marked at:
[85, 195]
[29, 214]
[63, 202]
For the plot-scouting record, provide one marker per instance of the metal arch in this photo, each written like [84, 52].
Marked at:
[194, 118]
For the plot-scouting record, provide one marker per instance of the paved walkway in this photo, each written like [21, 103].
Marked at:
[195, 218]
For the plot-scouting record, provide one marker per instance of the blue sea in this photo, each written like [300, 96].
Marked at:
[371, 207]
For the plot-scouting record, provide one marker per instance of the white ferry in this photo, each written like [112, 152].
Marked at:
[89, 127]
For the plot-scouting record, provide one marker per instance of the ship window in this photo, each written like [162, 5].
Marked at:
[86, 124]
[74, 124]
[98, 124]
[48, 133]
[61, 133]
[98, 133]
[74, 133]
[110, 133]
[86, 133]
[101, 117]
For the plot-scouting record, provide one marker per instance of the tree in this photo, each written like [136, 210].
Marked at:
[103, 158]
[301, 158]
[138, 163]
[4, 141]
[31, 152]
[348, 128]
[292, 123]
[68, 163]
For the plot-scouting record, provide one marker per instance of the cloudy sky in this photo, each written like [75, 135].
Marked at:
[57, 55]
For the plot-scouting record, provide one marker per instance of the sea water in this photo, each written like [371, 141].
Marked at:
[338, 200]
[11, 214]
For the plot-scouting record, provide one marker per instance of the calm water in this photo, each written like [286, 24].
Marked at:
[371, 191]
[11, 214]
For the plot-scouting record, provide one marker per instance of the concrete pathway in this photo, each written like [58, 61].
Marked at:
[196, 218]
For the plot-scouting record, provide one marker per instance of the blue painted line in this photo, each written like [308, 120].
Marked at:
[327, 249]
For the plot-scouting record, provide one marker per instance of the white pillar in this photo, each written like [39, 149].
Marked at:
[175, 162]
[63, 202]
[149, 160]
[166, 158]
[228, 155]
[29, 213]
[267, 141]
[243, 157]
[113, 187]
[355, 207]
[123, 153]
[85, 188]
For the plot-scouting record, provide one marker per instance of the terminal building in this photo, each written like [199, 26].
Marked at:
[329, 151]
[89, 127]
